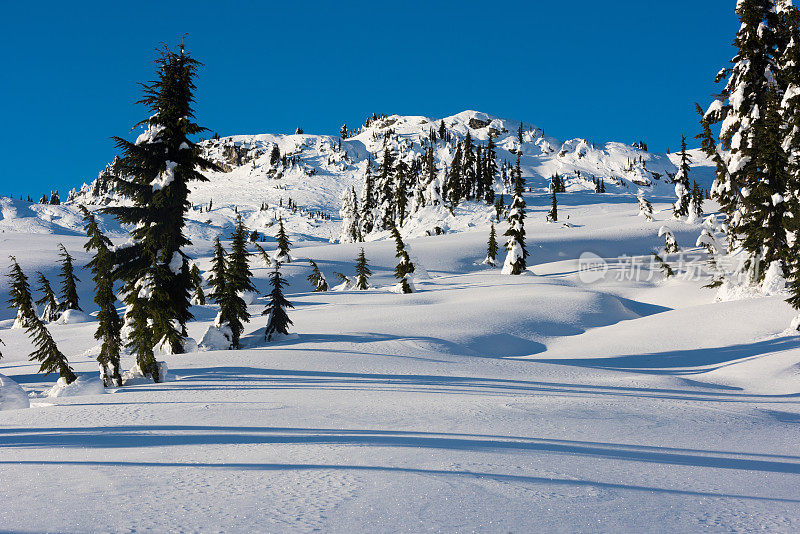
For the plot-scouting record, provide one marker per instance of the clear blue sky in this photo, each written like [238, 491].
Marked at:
[622, 70]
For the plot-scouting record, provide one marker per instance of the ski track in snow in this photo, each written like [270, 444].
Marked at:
[480, 403]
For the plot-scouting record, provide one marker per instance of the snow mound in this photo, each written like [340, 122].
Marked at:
[73, 317]
[135, 376]
[217, 338]
[12, 396]
[83, 385]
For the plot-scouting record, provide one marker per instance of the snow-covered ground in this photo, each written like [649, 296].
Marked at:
[546, 402]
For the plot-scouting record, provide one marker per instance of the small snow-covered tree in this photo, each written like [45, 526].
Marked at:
[46, 353]
[275, 155]
[282, 255]
[316, 278]
[48, 301]
[198, 295]
[109, 324]
[670, 246]
[517, 255]
[405, 267]
[645, 207]
[363, 271]
[552, 215]
[351, 224]
[277, 318]
[683, 190]
[491, 248]
[237, 282]
[69, 290]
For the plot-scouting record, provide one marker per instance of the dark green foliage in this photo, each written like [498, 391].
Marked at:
[283, 255]
[683, 188]
[237, 281]
[277, 319]
[48, 300]
[316, 278]
[46, 353]
[69, 290]
[363, 271]
[275, 155]
[109, 324]
[199, 296]
[492, 248]
[157, 170]
[552, 215]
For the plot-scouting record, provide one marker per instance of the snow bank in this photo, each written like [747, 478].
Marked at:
[135, 376]
[83, 385]
[217, 338]
[12, 396]
[73, 317]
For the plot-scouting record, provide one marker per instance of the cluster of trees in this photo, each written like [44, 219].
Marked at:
[757, 151]
[403, 183]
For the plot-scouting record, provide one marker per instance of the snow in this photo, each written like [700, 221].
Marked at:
[73, 317]
[83, 385]
[12, 397]
[617, 402]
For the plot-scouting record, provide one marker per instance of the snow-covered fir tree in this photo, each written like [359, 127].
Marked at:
[109, 323]
[316, 278]
[69, 288]
[363, 271]
[491, 248]
[46, 352]
[670, 244]
[264, 255]
[219, 292]
[683, 190]
[277, 318]
[517, 255]
[752, 179]
[282, 254]
[158, 168]
[48, 301]
[351, 224]
[405, 267]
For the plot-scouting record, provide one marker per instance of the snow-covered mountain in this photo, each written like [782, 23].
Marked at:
[314, 170]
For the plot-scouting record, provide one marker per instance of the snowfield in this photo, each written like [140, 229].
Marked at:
[540, 403]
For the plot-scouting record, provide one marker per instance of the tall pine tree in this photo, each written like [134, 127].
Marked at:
[277, 318]
[517, 255]
[158, 168]
[69, 289]
[48, 301]
[363, 271]
[109, 324]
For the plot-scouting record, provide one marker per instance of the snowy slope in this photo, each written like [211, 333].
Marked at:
[481, 403]
[324, 171]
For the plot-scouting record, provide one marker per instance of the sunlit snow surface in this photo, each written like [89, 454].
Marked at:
[481, 402]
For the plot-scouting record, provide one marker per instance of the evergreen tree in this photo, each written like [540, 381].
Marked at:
[277, 319]
[402, 179]
[69, 291]
[670, 245]
[363, 271]
[283, 243]
[275, 155]
[46, 353]
[516, 258]
[753, 173]
[351, 231]
[343, 131]
[696, 203]
[55, 200]
[109, 324]
[198, 297]
[237, 282]
[217, 278]
[158, 168]
[683, 190]
[490, 173]
[368, 205]
[455, 178]
[468, 167]
[48, 300]
[316, 278]
[645, 207]
[405, 267]
[491, 248]
[385, 194]
[552, 215]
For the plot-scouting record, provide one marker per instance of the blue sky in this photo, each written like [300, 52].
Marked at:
[621, 70]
